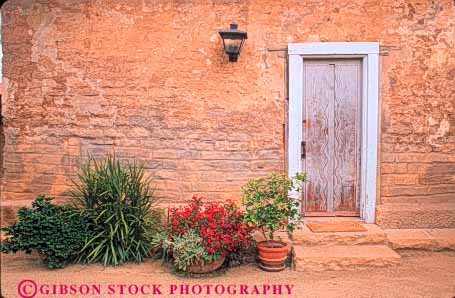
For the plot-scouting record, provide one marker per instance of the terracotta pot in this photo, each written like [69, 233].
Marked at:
[272, 255]
[206, 268]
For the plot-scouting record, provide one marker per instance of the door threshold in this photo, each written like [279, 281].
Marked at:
[332, 214]
[331, 218]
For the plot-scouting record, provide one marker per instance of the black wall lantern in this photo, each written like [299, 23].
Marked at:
[233, 41]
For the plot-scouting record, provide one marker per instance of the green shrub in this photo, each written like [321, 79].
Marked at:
[57, 232]
[186, 248]
[268, 205]
[118, 199]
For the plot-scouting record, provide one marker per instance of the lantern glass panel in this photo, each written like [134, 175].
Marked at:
[232, 46]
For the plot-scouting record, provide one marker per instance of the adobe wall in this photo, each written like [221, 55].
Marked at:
[149, 80]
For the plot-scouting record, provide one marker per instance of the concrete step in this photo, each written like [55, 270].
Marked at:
[343, 257]
[373, 236]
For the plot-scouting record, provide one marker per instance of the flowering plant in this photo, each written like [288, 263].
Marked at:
[268, 204]
[218, 227]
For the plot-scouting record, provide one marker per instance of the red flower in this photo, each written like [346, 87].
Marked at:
[220, 225]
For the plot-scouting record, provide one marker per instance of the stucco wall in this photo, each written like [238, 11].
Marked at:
[149, 80]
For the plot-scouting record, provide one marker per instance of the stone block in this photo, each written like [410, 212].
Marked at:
[305, 237]
[421, 239]
[410, 239]
[444, 238]
[341, 257]
[410, 215]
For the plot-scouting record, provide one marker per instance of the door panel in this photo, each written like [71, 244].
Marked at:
[331, 133]
[347, 147]
[318, 92]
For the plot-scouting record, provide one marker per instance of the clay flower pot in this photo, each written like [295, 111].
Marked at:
[206, 268]
[272, 255]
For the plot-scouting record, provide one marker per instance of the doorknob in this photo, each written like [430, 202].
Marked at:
[303, 149]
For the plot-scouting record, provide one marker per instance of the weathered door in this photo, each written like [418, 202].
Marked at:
[331, 139]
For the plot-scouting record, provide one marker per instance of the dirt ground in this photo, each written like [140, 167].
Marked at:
[421, 274]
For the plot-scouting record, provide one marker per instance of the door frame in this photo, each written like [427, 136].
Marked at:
[368, 52]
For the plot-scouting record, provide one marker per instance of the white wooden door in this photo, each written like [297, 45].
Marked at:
[331, 136]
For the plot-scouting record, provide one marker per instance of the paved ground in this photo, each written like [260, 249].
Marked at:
[421, 274]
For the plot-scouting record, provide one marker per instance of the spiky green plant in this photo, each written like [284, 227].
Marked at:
[118, 198]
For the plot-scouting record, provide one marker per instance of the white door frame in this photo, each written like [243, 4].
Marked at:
[369, 53]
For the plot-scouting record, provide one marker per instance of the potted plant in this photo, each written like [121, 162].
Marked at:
[269, 207]
[199, 236]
